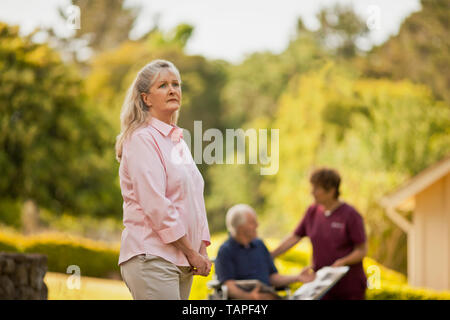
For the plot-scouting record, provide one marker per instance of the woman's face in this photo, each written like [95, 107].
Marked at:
[322, 196]
[165, 95]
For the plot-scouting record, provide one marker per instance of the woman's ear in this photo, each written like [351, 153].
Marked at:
[146, 99]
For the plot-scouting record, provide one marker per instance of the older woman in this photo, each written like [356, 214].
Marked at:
[337, 235]
[166, 229]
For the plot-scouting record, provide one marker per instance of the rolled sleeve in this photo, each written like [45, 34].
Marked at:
[301, 230]
[206, 238]
[356, 229]
[148, 175]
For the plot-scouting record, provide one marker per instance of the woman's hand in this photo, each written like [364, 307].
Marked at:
[200, 264]
[339, 263]
[307, 275]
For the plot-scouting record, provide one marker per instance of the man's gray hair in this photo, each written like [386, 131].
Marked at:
[236, 216]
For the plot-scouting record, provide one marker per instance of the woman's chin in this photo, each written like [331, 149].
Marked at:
[170, 110]
[171, 107]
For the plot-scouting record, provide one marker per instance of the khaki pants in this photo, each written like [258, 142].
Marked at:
[149, 277]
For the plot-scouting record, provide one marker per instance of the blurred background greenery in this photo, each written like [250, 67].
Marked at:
[378, 117]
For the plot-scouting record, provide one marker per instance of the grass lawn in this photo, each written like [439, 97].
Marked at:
[104, 289]
[90, 288]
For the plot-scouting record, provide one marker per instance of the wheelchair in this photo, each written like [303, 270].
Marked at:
[326, 278]
[219, 291]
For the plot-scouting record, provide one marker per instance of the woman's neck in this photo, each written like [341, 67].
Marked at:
[332, 205]
[164, 118]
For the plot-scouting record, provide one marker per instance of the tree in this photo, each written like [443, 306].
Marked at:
[105, 23]
[255, 85]
[52, 141]
[419, 52]
[340, 29]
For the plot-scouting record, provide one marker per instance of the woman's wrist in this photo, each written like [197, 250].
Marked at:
[190, 253]
[203, 251]
[184, 245]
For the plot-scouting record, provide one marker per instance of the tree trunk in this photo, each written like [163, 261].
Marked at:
[30, 217]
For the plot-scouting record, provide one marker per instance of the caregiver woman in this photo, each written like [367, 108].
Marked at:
[336, 231]
[166, 230]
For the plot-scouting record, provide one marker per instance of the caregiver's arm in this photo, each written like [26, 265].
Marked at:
[357, 255]
[287, 243]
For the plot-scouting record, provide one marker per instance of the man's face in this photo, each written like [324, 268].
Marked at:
[249, 228]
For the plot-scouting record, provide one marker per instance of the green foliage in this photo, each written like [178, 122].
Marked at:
[340, 29]
[95, 22]
[87, 226]
[402, 292]
[419, 52]
[10, 211]
[248, 96]
[52, 143]
[8, 243]
[95, 260]
[221, 198]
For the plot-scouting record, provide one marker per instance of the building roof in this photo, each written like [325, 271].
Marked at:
[418, 183]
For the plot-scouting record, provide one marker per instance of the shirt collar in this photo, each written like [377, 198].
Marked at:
[252, 243]
[162, 127]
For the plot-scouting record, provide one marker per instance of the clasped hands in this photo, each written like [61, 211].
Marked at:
[200, 264]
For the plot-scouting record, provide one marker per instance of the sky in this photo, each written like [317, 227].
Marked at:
[225, 29]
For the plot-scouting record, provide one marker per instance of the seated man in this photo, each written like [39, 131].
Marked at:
[244, 256]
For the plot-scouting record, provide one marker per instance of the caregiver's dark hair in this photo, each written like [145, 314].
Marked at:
[327, 179]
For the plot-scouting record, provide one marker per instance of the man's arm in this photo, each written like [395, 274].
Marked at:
[278, 280]
[237, 293]
[306, 275]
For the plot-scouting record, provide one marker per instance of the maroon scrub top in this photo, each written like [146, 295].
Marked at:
[334, 237]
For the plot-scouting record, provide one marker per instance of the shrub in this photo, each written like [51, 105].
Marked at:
[95, 259]
[405, 292]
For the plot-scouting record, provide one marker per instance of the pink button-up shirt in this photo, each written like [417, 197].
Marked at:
[162, 192]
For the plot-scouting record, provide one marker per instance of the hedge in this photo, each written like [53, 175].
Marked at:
[99, 259]
[94, 258]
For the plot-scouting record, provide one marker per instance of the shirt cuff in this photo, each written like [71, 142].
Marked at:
[205, 236]
[207, 242]
[172, 234]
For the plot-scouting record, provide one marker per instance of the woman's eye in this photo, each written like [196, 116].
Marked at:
[174, 84]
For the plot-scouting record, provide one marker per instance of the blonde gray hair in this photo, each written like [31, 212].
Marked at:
[135, 113]
[236, 216]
